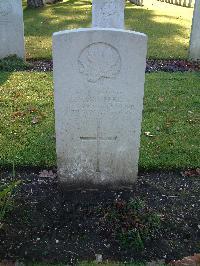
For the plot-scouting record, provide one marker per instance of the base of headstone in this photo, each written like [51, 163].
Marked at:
[90, 186]
[100, 181]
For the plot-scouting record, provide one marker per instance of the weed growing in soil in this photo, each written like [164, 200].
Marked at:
[6, 199]
[132, 224]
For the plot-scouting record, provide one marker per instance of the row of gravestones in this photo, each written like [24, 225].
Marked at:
[99, 86]
[137, 2]
[185, 3]
[12, 28]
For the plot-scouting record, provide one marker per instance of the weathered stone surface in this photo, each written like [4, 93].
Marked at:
[108, 13]
[99, 87]
[11, 28]
[195, 33]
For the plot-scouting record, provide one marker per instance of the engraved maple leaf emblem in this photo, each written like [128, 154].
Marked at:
[99, 60]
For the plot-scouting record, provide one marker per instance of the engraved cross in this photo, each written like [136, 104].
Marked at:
[98, 138]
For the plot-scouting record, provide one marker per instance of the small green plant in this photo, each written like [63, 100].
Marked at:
[132, 223]
[12, 63]
[6, 199]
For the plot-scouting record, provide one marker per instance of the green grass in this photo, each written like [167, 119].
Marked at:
[26, 119]
[171, 115]
[132, 224]
[167, 26]
[172, 104]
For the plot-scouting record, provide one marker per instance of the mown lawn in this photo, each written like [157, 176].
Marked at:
[170, 134]
[167, 26]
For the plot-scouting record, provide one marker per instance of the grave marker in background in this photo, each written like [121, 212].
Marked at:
[99, 86]
[195, 33]
[108, 13]
[11, 28]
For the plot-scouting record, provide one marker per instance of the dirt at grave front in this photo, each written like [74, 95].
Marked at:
[152, 65]
[51, 226]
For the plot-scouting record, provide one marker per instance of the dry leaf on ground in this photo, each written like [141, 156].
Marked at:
[191, 173]
[46, 173]
[188, 261]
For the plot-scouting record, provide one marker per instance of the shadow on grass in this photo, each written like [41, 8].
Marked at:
[167, 36]
[9, 65]
[49, 19]
[4, 77]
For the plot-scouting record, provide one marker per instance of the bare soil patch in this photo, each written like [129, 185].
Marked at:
[54, 226]
[152, 65]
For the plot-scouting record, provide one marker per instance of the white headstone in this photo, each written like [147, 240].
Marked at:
[195, 33]
[11, 28]
[108, 13]
[99, 87]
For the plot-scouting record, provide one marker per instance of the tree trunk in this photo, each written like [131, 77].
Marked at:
[35, 3]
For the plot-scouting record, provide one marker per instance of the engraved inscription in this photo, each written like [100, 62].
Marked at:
[99, 60]
[5, 8]
[100, 101]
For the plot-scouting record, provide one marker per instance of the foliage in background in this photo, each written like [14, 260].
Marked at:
[131, 223]
[6, 199]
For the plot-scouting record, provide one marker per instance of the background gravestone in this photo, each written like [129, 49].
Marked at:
[99, 87]
[108, 13]
[11, 28]
[195, 33]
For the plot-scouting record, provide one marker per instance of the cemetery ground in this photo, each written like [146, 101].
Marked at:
[158, 217]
